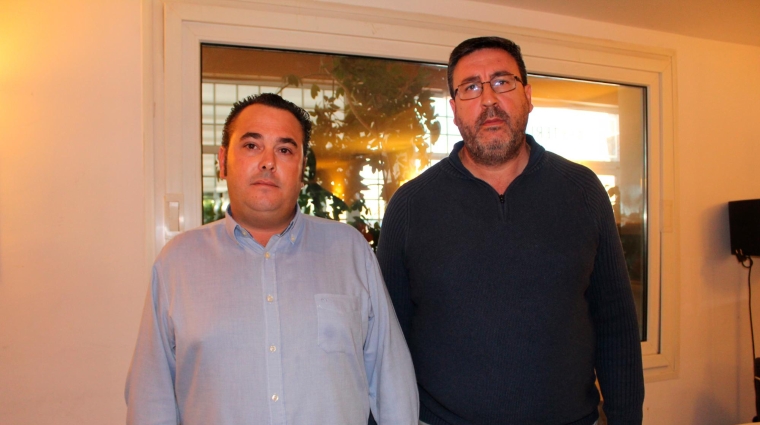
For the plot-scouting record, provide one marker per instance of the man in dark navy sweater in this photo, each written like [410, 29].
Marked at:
[506, 270]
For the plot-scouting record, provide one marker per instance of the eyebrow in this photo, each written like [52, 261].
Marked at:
[475, 78]
[257, 136]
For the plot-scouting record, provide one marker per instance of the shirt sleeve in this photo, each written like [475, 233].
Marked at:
[618, 346]
[390, 374]
[390, 255]
[150, 384]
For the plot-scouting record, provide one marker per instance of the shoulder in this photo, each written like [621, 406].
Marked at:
[334, 241]
[583, 182]
[576, 174]
[425, 181]
[194, 242]
[579, 174]
[331, 229]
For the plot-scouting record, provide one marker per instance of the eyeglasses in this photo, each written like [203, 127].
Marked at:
[500, 84]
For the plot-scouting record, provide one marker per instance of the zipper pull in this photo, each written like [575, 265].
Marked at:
[501, 198]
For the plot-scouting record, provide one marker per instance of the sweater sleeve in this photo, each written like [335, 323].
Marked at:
[391, 254]
[618, 346]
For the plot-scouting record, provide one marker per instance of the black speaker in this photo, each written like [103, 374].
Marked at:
[744, 223]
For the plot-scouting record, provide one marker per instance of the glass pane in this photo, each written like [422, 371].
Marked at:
[207, 93]
[310, 102]
[220, 113]
[209, 185]
[215, 199]
[366, 146]
[207, 136]
[245, 91]
[358, 171]
[578, 135]
[602, 126]
[226, 93]
[270, 89]
[207, 114]
[294, 95]
[209, 168]
[218, 129]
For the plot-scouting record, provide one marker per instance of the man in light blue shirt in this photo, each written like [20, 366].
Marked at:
[269, 316]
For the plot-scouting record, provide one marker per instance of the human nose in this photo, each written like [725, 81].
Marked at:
[488, 97]
[267, 160]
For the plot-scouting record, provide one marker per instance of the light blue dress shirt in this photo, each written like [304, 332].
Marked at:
[300, 332]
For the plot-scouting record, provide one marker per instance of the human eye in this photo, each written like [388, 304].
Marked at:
[500, 82]
[250, 146]
[285, 150]
[470, 87]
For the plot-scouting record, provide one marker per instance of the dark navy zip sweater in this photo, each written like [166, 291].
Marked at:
[511, 303]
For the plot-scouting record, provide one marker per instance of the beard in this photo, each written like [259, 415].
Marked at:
[485, 147]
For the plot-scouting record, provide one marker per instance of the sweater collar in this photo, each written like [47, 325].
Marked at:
[536, 155]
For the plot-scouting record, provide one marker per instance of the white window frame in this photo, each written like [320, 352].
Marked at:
[174, 33]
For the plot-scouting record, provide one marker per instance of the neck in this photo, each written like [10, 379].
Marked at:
[498, 176]
[262, 228]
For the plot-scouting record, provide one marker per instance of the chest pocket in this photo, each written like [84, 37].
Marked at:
[338, 323]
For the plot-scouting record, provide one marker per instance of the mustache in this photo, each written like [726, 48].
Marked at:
[492, 112]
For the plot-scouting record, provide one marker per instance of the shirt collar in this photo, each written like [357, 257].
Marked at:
[238, 233]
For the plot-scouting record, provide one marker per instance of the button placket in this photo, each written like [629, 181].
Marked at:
[273, 328]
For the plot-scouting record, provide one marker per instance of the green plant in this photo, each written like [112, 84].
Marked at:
[212, 210]
[378, 114]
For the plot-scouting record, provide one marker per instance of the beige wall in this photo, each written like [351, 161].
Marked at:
[718, 161]
[72, 201]
[71, 208]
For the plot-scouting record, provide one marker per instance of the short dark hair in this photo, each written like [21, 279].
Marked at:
[275, 101]
[474, 44]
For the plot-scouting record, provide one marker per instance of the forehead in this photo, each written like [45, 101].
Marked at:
[483, 63]
[268, 121]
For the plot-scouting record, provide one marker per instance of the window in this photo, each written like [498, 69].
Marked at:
[364, 146]
[362, 139]
[603, 127]
[175, 148]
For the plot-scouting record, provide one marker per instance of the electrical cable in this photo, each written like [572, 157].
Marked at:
[744, 259]
[746, 262]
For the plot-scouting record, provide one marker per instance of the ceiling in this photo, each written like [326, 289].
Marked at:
[735, 21]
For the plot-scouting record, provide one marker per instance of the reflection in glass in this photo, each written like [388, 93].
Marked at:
[375, 123]
[602, 126]
[379, 123]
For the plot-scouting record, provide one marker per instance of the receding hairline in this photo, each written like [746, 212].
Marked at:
[492, 74]
[476, 44]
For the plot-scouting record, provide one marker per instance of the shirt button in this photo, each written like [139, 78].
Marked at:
[266, 255]
[274, 397]
[270, 298]
[272, 348]
[292, 238]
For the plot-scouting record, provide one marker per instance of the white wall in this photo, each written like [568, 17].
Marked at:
[72, 201]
